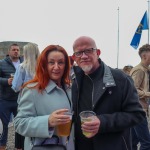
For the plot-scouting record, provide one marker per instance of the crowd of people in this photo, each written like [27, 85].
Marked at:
[46, 87]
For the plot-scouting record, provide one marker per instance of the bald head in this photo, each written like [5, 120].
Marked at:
[86, 54]
[84, 40]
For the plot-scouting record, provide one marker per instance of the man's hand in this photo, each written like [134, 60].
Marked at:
[92, 127]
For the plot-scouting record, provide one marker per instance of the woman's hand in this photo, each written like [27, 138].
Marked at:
[58, 117]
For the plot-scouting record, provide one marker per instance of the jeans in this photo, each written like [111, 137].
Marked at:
[140, 133]
[6, 108]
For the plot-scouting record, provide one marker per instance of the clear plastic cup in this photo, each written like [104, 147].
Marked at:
[64, 129]
[12, 75]
[87, 116]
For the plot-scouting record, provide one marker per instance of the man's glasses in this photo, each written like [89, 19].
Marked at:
[86, 52]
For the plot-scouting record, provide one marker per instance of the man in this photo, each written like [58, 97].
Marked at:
[108, 92]
[8, 98]
[127, 69]
[140, 75]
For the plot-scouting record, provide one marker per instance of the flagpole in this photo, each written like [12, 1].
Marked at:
[148, 21]
[118, 40]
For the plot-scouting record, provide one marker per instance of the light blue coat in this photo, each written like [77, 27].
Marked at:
[34, 110]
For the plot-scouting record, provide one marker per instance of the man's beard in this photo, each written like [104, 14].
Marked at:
[15, 57]
[87, 69]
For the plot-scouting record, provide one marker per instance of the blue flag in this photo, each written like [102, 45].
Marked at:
[137, 36]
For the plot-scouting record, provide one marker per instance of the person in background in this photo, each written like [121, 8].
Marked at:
[26, 70]
[108, 92]
[24, 73]
[140, 75]
[127, 69]
[45, 99]
[8, 98]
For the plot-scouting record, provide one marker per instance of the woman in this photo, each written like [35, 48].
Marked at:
[26, 70]
[24, 73]
[45, 99]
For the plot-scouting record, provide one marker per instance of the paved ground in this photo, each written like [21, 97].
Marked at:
[1, 128]
[11, 138]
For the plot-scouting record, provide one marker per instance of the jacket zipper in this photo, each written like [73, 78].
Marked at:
[92, 92]
[125, 143]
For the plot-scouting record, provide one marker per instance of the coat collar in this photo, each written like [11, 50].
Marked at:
[51, 85]
[108, 79]
[7, 58]
[144, 67]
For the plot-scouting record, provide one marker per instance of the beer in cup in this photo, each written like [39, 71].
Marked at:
[64, 129]
[12, 75]
[87, 116]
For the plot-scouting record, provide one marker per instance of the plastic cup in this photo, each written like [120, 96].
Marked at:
[64, 129]
[87, 116]
[12, 75]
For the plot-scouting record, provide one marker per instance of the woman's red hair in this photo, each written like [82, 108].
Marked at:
[42, 76]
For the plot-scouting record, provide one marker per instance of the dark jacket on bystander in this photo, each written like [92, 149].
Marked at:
[6, 68]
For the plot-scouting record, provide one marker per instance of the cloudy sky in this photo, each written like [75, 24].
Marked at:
[60, 22]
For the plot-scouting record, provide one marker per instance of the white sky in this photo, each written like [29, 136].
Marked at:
[60, 22]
